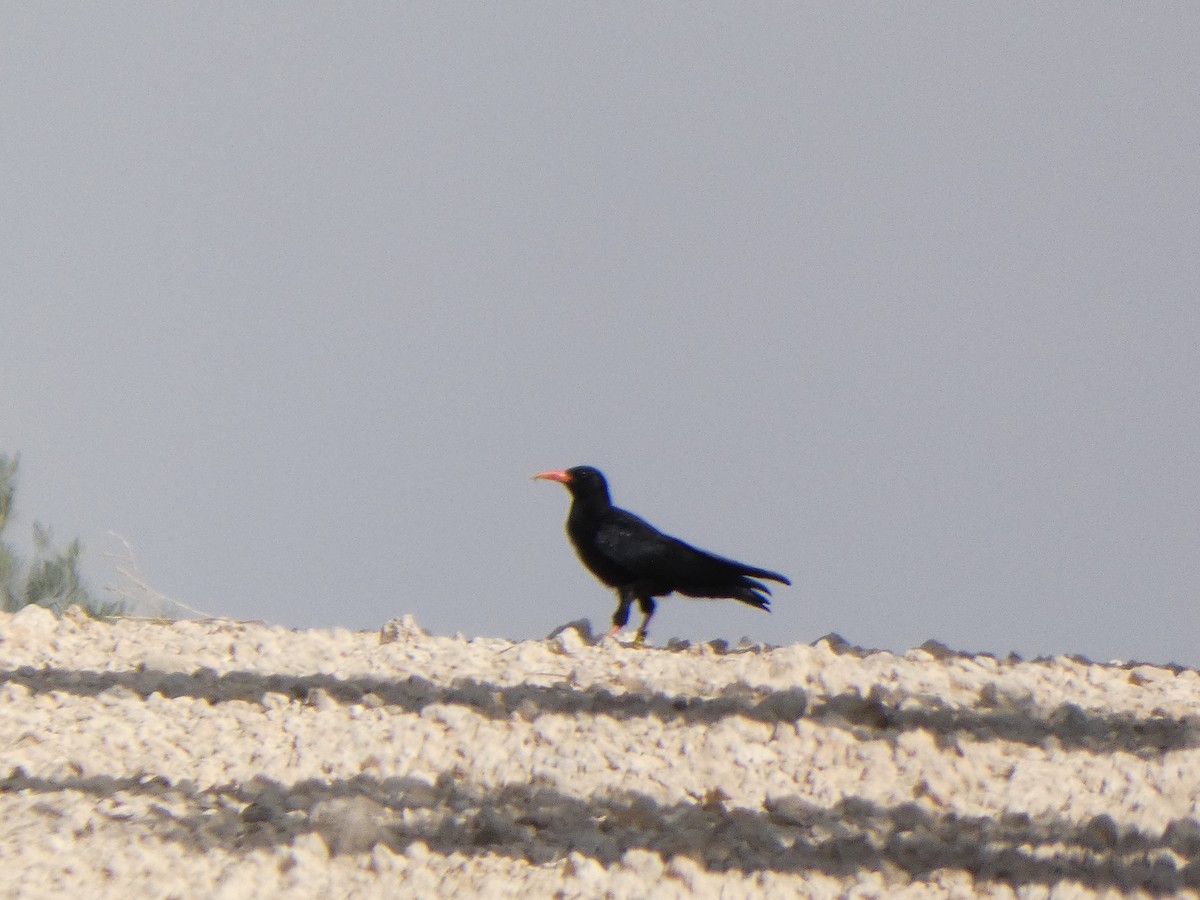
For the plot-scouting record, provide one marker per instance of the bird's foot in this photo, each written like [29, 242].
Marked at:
[639, 639]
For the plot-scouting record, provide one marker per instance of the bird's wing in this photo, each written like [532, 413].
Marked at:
[635, 545]
[645, 552]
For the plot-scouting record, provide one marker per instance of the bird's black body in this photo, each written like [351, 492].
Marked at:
[631, 555]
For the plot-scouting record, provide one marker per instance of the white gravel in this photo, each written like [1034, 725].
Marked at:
[225, 759]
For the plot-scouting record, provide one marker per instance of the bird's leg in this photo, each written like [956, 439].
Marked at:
[646, 605]
[621, 616]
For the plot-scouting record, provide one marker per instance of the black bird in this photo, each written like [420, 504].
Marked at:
[631, 555]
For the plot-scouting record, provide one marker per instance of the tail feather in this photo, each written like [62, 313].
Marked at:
[752, 598]
[755, 585]
[764, 573]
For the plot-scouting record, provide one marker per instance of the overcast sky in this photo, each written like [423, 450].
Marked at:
[902, 300]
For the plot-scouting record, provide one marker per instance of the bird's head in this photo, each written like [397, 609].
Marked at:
[581, 481]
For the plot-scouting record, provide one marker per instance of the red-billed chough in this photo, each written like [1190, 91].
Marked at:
[631, 555]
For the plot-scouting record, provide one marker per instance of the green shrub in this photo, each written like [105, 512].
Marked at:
[51, 578]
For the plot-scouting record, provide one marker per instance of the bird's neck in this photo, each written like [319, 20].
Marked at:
[590, 505]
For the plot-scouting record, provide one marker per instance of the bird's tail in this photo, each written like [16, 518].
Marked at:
[754, 593]
[763, 573]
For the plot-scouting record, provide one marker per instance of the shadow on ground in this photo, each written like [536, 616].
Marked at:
[542, 825]
[879, 714]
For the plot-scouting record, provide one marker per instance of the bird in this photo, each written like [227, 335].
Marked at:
[629, 554]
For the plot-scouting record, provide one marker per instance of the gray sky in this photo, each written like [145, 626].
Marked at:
[901, 300]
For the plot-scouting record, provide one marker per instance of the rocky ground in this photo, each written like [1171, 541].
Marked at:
[226, 759]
